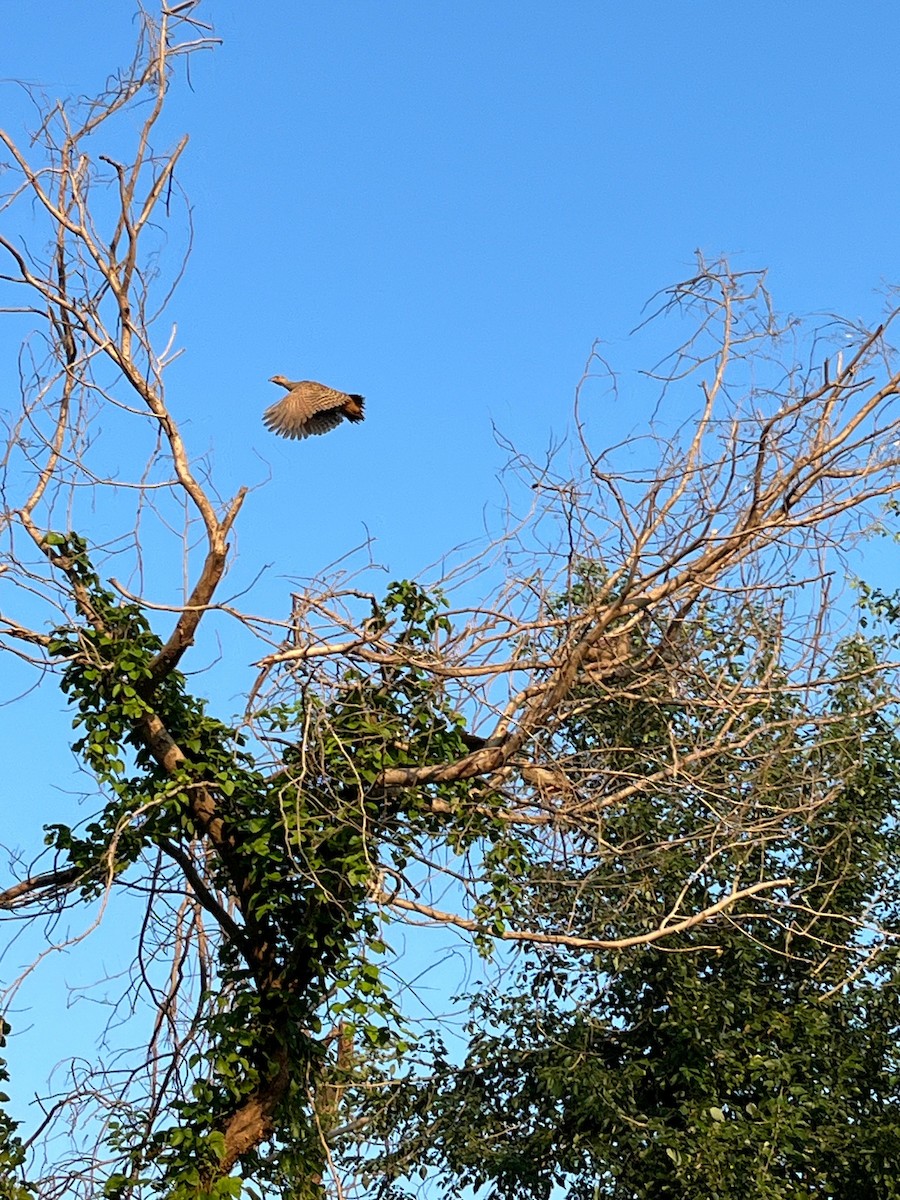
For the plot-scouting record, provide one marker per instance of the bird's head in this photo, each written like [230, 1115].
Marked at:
[282, 381]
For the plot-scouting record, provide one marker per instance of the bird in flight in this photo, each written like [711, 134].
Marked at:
[310, 407]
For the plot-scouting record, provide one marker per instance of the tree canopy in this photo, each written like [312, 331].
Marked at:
[753, 1057]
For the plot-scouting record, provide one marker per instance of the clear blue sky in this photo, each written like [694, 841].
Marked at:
[442, 205]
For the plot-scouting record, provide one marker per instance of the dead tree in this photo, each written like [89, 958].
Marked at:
[390, 744]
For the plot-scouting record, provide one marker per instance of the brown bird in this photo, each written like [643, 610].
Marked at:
[310, 407]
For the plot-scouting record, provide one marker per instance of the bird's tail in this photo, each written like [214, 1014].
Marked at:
[354, 411]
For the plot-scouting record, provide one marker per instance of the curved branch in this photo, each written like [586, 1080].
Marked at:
[572, 942]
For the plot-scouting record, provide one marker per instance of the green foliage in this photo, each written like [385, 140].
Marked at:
[12, 1154]
[108, 676]
[712, 1073]
[741, 1061]
[754, 1059]
[299, 850]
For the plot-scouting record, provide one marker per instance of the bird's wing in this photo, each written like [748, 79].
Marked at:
[311, 408]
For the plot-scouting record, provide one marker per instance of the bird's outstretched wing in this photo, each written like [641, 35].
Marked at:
[308, 408]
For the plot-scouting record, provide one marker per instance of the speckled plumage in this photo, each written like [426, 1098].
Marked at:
[310, 408]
